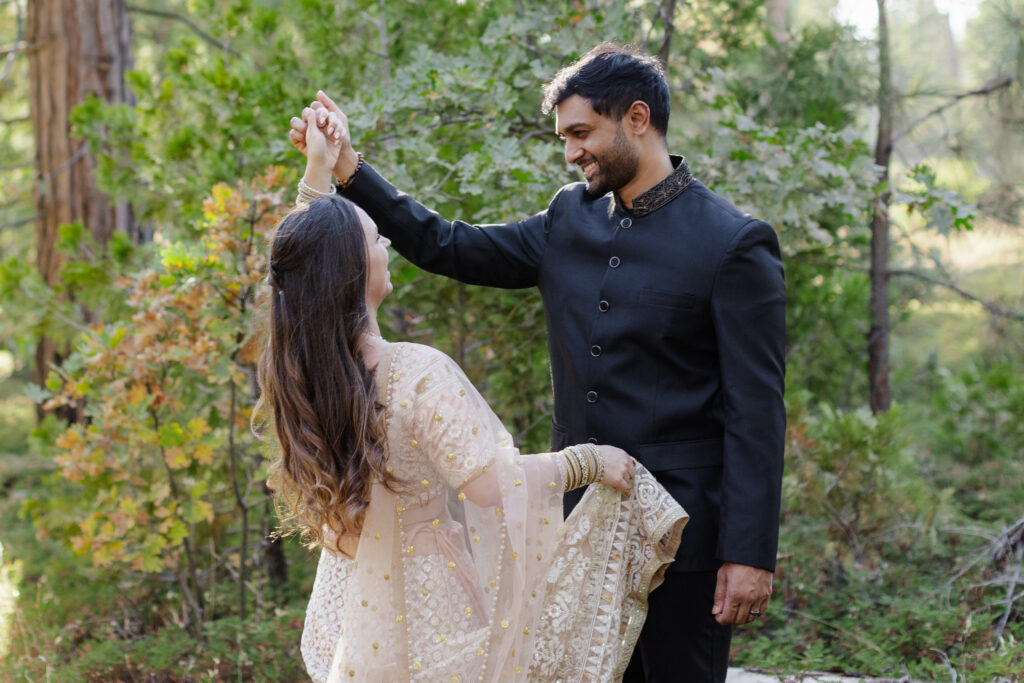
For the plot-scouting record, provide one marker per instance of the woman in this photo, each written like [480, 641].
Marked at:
[444, 554]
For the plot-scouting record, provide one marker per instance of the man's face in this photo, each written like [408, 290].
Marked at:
[597, 144]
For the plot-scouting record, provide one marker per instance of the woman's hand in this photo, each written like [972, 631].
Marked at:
[322, 144]
[323, 140]
[619, 468]
[329, 118]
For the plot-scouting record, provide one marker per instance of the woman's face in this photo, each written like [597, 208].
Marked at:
[378, 277]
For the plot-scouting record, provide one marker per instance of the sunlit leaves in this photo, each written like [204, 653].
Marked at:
[944, 210]
[150, 466]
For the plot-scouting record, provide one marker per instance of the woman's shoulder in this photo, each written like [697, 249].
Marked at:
[420, 358]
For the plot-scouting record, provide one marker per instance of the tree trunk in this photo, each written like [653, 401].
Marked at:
[878, 337]
[668, 19]
[778, 19]
[76, 48]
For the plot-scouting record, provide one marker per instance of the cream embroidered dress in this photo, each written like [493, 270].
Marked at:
[445, 589]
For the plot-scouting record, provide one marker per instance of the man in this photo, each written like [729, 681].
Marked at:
[665, 311]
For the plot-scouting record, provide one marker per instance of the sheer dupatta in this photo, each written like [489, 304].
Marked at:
[466, 572]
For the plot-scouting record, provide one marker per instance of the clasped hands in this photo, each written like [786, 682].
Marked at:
[327, 144]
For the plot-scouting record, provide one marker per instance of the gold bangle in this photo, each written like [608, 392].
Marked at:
[599, 461]
[572, 477]
[581, 456]
[577, 473]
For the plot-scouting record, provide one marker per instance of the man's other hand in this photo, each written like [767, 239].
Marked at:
[742, 594]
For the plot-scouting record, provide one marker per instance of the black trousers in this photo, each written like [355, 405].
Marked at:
[681, 642]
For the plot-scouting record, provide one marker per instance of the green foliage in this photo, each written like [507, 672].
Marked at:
[980, 439]
[826, 325]
[149, 478]
[810, 183]
[893, 621]
[852, 472]
[943, 210]
[71, 622]
[820, 75]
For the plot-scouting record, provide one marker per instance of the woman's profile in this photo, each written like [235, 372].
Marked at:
[444, 553]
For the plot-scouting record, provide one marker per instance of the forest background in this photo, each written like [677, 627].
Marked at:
[143, 158]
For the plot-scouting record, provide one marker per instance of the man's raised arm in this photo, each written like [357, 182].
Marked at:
[507, 255]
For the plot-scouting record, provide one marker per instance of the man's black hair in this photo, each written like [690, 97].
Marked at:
[612, 77]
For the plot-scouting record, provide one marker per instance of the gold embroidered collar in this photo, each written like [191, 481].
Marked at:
[662, 193]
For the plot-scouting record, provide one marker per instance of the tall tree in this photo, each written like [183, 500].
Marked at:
[878, 336]
[78, 48]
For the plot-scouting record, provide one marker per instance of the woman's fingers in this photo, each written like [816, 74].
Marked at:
[327, 102]
[335, 127]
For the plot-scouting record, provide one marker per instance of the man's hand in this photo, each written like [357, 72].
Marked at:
[741, 594]
[329, 118]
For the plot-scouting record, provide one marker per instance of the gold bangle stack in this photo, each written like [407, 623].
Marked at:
[308, 194]
[584, 465]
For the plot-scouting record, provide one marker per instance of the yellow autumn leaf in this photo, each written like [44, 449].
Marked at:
[137, 394]
[204, 454]
[176, 458]
[198, 427]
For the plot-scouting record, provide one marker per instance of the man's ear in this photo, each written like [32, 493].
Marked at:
[638, 117]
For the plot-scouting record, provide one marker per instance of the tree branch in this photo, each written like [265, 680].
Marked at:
[668, 15]
[18, 223]
[221, 45]
[993, 86]
[15, 47]
[18, 44]
[992, 308]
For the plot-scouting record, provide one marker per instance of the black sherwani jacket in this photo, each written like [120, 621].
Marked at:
[666, 327]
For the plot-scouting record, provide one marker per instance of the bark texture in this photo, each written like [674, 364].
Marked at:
[76, 48]
[878, 337]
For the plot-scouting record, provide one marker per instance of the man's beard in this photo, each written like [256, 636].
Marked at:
[615, 168]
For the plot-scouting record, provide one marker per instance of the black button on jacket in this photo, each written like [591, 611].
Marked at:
[687, 308]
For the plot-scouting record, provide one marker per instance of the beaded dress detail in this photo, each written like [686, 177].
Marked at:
[445, 589]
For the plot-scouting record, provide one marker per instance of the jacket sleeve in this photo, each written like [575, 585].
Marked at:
[505, 256]
[748, 308]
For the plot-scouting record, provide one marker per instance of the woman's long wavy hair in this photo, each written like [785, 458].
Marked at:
[318, 393]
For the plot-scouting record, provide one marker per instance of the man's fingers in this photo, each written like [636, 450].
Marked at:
[733, 612]
[716, 608]
[298, 124]
[323, 99]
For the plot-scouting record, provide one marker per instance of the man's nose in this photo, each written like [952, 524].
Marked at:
[572, 153]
